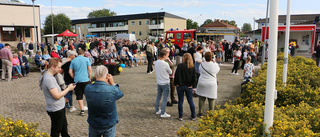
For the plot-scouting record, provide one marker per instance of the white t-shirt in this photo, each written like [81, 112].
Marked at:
[197, 57]
[162, 72]
[249, 68]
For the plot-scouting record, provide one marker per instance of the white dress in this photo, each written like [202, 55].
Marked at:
[207, 85]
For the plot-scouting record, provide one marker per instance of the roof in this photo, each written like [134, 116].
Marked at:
[6, 2]
[126, 17]
[219, 24]
[295, 18]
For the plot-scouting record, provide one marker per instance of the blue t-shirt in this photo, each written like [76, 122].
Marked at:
[80, 66]
[1, 45]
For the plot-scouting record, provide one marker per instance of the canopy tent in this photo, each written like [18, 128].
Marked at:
[67, 33]
[92, 36]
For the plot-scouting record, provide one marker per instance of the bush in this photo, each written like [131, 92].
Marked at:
[17, 128]
[302, 84]
[297, 112]
[32, 64]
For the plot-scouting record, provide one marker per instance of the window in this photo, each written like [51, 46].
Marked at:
[169, 35]
[94, 25]
[153, 22]
[140, 23]
[73, 28]
[78, 26]
[82, 26]
[133, 23]
[27, 32]
[102, 25]
[147, 22]
[140, 33]
[88, 26]
[178, 35]
[19, 32]
[186, 36]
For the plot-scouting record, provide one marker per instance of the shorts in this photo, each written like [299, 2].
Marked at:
[219, 54]
[79, 90]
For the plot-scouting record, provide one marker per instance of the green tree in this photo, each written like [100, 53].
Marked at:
[61, 22]
[191, 24]
[231, 22]
[207, 22]
[246, 27]
[101, 13]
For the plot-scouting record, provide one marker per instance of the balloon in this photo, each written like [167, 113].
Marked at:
[120, 69]
[122, 65]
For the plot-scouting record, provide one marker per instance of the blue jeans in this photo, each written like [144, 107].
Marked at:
[69, 96]
[25, 69]
[108, 132]
[162, 90]
[181, 90]
[196, 66]
[133, 58]
[16, 68]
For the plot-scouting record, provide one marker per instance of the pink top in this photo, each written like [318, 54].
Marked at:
[15, 61]
[172, 75]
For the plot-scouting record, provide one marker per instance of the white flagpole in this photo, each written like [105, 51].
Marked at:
[286, 45]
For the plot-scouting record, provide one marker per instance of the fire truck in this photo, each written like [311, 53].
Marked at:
[178, 37]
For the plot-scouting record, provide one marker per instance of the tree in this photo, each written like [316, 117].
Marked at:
[101, 13]
[61, 22]
[191, 24]
[232, 22]
[207, 22]
[246, 27]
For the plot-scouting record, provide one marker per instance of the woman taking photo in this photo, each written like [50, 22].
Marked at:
[207, 84]
[184, 80]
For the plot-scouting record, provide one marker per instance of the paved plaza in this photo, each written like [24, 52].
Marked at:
[22, 99]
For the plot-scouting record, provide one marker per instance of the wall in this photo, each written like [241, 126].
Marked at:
[298, 35]
[16, 15]
[83, 30]
[136, 28]
[174, 23]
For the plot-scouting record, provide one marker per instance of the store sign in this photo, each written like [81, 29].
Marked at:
[8, 28]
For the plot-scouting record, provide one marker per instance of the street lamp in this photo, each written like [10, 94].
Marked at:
[197, 21]
[157, 21]
[34, 26]
[52, 24]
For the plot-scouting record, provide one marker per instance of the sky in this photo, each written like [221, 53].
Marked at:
[242, 11]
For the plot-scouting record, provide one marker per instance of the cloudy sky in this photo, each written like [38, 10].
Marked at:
[242, 11]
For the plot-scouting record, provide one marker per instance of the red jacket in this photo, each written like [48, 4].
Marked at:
[54, 55]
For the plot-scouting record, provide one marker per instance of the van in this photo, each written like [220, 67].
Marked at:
[130, 37]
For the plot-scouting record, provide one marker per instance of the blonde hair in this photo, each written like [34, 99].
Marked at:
[187, 58]
[101, 71]
[15, 55]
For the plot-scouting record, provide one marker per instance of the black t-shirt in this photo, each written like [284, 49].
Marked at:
[67, 78]
[134, 47]
[191, 51]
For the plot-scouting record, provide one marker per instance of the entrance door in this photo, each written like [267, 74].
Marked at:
[9, 36]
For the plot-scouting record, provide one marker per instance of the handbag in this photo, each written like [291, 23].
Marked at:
[209, 74]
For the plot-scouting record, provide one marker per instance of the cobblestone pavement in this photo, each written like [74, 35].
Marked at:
[22, 99]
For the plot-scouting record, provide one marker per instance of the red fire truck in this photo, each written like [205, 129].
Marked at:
[178, 37]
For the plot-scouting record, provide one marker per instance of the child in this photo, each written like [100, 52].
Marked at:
[16, 66]
[248, 69]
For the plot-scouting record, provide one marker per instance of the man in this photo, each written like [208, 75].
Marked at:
[42, 45]
[68, 79]
[20, 46]
[150, 53]
[172, 87]
[162, 74]
[80, 71]
[226, 50]
[55, 102]
[318, 54]
[6, 58]
[30, 47]
[172, 49]
[24, 64]
[101, 100]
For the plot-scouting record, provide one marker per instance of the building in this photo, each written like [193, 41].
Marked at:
[142, 25]
[218, 30]
[17, 22]
[304, 30]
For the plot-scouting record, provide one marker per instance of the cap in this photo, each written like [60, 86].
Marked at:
[70, 52]
[7, 44]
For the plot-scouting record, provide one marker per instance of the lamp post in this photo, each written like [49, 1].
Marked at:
[265, 35]
[197, 21]
[52, 24]
[34, 26]
[286, 45]
[157, 21]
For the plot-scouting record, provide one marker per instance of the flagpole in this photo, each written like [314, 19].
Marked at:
[286, 45]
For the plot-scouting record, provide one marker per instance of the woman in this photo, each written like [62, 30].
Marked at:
[207, 84]
[198, 58]
[185, 79]
[219, 52]
[237, 54]
[16, 66]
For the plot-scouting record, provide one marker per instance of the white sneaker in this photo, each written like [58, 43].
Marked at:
[72, 109]
[165, 115]
[85, 108]
[137, 65]
[159, 112]
[132, 66]
[149, 73]
[237, 74]
[232, 73]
